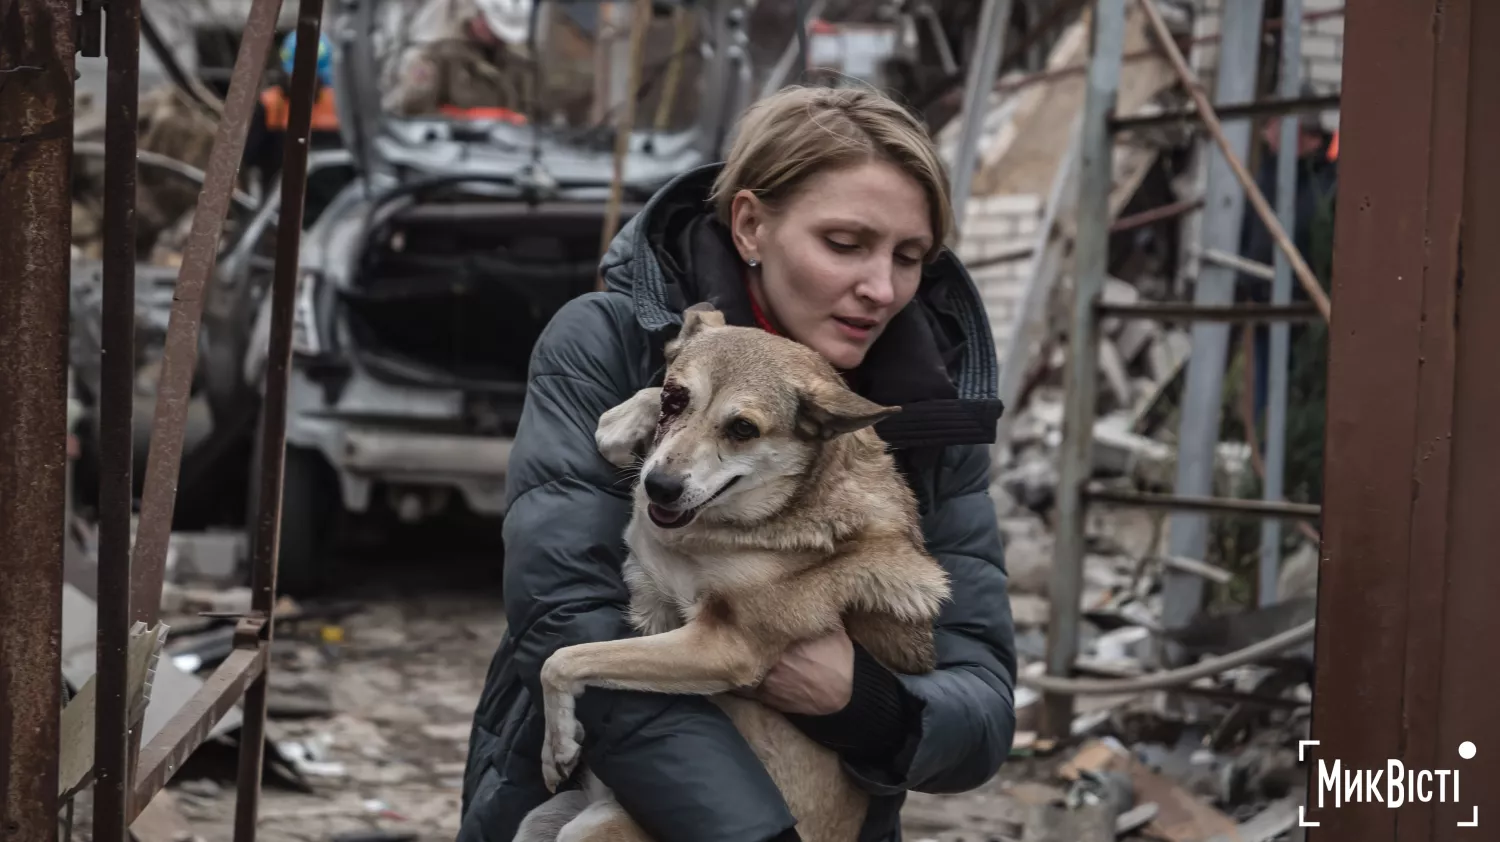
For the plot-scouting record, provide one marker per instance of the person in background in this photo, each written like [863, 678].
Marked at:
[473, 62]
[265, 140]
[1317, 184]
[827, 224]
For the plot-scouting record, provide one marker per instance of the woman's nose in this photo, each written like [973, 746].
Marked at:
[879, 284]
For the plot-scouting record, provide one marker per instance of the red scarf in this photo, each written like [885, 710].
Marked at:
[760, 316]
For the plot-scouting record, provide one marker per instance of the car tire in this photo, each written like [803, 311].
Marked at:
[310, 505]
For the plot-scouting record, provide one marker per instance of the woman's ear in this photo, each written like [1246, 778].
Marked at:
[746, 218]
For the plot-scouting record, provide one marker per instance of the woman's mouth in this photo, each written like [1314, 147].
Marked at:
[855, 328]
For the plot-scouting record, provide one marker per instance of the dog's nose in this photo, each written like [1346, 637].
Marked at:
[663, 489]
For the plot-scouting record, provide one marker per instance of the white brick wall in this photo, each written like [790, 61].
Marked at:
[996, 225]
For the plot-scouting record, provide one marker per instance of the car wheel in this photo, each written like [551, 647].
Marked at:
[309, 506]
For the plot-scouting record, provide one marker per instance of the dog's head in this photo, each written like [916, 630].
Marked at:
[744, 417]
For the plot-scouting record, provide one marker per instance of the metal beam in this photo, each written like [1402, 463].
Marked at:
[36, 132]
[1407, 626]
[1198, 435]
[984, 66]
[1091, 258]
[1281, 294]
[266, 531]
[112, 743]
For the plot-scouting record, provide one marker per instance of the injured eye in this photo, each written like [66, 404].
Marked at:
[674, 400]
[742, 429]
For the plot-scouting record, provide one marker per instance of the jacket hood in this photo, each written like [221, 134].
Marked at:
[936, 359]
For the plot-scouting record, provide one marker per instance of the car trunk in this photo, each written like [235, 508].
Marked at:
[458, 293]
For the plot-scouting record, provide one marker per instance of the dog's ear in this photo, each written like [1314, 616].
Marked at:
[827, 411]
[695, 319]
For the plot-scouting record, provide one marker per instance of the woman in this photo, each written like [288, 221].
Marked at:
[825, 224]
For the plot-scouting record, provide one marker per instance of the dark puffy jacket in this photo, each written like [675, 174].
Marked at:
[676, 763]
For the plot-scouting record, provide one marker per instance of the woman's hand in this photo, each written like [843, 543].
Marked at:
[813, 677]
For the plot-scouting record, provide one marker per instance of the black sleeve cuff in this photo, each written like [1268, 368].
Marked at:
[873, 726]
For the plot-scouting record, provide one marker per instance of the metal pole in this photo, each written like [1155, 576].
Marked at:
[112, 743]
[1198, 434]
[1095, 180]
[1281, 293]
[267, 528]
[180, 358]
[36, 133]
[984, 65]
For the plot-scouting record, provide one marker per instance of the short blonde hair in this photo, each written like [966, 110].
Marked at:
[798, 132]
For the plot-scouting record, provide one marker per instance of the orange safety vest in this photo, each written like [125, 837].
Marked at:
[1333, 147]
[325, 117]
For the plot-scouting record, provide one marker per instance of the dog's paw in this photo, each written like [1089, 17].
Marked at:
[562, 746]
[625, 428]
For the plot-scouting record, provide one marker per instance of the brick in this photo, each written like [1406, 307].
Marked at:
[1326, 72]
[1329, 26]
[1320, 46]
[1012, 203]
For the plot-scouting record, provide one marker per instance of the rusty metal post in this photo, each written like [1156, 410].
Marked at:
[36, 133]
[112, 742]
[180, 357]
[266, 531]
[1406, 619]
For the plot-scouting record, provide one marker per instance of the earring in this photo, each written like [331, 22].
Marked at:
[752, 262]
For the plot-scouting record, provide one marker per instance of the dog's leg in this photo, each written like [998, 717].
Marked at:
[603, 821]
[625, 428]
[545, 823]
[701, 658]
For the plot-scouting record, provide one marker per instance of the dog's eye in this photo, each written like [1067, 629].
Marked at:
[743, 430]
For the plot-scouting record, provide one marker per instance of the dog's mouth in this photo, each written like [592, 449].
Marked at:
[665, 518]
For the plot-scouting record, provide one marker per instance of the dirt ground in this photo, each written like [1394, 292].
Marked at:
[401, 684]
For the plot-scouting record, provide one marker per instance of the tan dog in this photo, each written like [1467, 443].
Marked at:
[768, 512]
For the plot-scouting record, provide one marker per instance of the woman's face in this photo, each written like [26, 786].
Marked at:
[841, 258]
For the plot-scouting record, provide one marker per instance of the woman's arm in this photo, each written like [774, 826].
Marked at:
[948, 730]
[677, 764]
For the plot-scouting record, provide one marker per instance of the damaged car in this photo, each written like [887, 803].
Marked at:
[430, 272]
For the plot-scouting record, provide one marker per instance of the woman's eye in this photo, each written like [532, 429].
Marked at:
[743, 430]
[838, 246]
[908, 260]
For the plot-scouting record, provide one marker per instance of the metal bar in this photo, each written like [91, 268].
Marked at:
[36, 131]
[1209, 505]
[1171, 311]
[1253, 268]
[1013, 85]
[1284, 104]
[984, 65]
[636, 56]
[1281, 293]
[187, 730]
[1198, 431]
[1406, 620]
[266, 533]
[1211, 122]
[166, 162]
[1091, 256]
[180, 358]
[116, 410]
[1161, 214]
[782, 71]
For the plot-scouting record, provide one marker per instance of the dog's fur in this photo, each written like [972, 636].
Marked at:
[802, 524]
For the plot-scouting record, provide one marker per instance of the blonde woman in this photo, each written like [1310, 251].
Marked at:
[827, 225]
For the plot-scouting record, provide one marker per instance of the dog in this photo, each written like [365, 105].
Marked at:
[767, 512]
